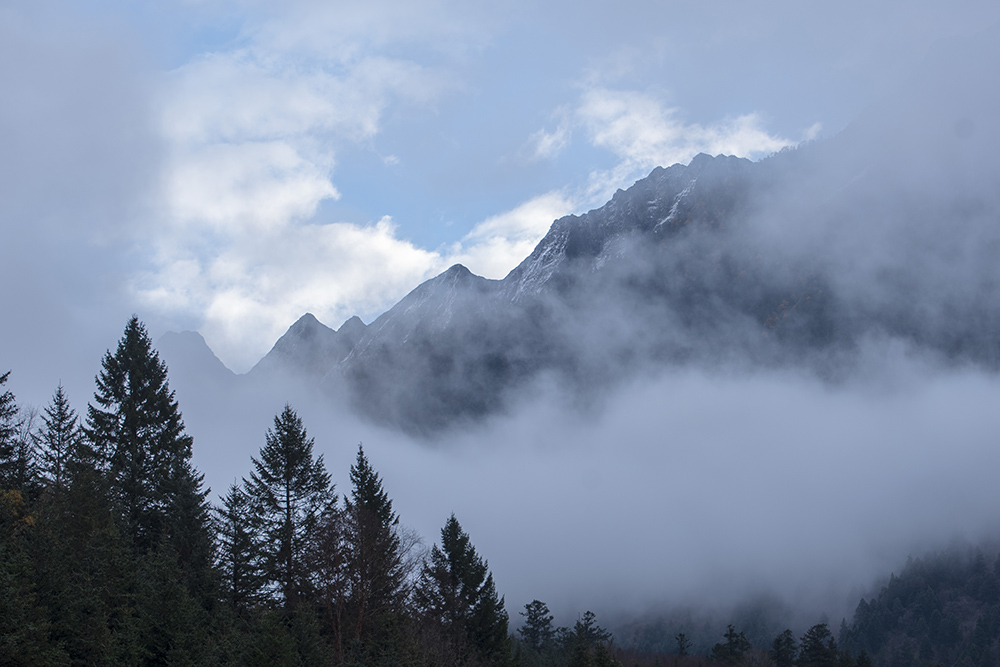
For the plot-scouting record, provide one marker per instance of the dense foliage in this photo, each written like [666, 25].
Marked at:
[944, 609]
[110, 554]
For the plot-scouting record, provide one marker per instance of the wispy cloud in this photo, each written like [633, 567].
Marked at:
[499, 243]
[250, 291]
[543, 145]
[253, 136]
[642, 130]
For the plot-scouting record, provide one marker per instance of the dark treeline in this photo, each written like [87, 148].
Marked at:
[112, 554]
[940, 611]
[943, 609]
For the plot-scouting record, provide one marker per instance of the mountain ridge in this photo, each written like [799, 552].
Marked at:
[884, 234]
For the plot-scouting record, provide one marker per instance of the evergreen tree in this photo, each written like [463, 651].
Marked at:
[172, 626]
[587, 643]
[683, 644]
[586, 632]
[327, 561]
[137, 430]
[59, 441]
[817, 648]
[458, 599]
[25, 637]
[732, 650]
[373, 550]
[239, 550]
[8, 433]
[86, 573]
[537, 631]
[18, 467]
[290, 491]
[783, 650]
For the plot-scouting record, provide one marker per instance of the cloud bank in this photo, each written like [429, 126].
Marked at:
[685, 488]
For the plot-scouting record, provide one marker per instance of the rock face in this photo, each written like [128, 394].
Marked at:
[804, 258]
[310, 348]
[646, 278]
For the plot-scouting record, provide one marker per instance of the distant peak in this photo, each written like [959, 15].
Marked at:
[307, 326]
[700, 160]
[352, 321]
[455, 274]
[352, 328]
[307, 320]
[457, 269]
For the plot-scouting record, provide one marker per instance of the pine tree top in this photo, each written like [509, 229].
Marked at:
[367, 492]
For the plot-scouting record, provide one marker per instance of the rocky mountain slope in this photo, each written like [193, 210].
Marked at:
[885, 235]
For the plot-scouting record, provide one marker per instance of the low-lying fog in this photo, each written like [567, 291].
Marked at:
[695, 487]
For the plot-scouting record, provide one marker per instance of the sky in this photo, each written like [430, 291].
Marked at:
[227, 166]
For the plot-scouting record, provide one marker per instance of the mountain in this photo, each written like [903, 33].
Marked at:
[309, 348]
[580, 306]
[943, 609]
[191, 360]
[883, 237]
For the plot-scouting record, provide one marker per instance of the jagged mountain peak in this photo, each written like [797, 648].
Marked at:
[309, 346]
[307, 327]
[353, 328]
[661, 204]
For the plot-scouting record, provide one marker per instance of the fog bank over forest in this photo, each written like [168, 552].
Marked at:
[693, 487]
[704, 484]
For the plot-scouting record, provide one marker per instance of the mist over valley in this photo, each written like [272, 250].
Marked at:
[735, 379]
[696, 369]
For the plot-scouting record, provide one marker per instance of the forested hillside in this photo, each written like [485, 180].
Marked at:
[111, 554]
[940, 610]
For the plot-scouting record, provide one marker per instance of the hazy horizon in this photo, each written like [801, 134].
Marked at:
[225, 167]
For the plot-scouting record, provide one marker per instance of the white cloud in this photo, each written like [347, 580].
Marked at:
[253, 134]
[252, 137]
[256, 184]
[498, 244]
[642, 131]
[543, 145]
[252, 290]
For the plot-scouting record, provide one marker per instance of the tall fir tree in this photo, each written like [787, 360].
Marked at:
[537, 631]
[817, 648]
[731, 651]
[459, 602]
[327, 561]
[290, 491]
[58, 441]
[239, 550]
[137, 431]
[8, 433]
[25, 631]
[85, 571]
[374, 550]
[18, 464]
[783, 650]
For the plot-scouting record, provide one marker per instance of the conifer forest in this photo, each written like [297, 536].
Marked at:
[111, 553]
